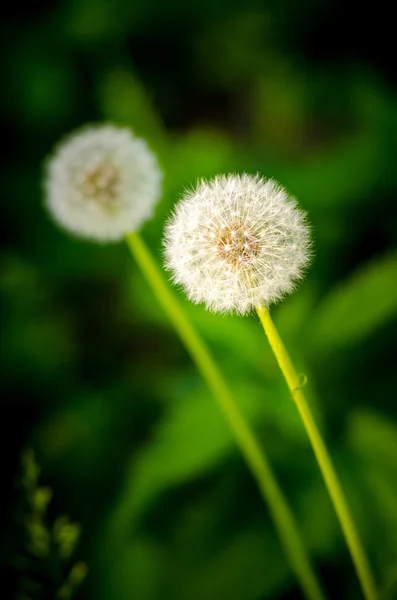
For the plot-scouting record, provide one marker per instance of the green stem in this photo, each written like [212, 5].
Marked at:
[327, 469]
[254, 456]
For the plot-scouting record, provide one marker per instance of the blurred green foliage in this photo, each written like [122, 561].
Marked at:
[125, 430]
[42, 562]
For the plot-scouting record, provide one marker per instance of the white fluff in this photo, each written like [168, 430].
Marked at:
[102, 183]
[236, 243]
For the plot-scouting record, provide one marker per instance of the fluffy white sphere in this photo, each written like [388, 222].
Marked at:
[236, 243]
[102, 183]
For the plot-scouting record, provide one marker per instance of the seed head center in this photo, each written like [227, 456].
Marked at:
[101, 183]
[237, 245]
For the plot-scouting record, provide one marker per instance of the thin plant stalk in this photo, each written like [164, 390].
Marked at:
[244, 436]
[331, 479]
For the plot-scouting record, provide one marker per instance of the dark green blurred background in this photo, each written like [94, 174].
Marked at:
[93, 376]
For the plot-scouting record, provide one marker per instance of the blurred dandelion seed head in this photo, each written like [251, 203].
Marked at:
[102, 183]
[237, 242]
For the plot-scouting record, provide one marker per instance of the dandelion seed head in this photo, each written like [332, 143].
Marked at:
[102, 182]
[237, 242]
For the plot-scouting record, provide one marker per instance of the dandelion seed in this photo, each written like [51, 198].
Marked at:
[250, 243]
[102, 183]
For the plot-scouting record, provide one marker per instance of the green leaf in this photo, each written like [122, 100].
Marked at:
[247, 564]
[373, 439]
[201, 153]
[357, 307]
[192, 439]
[137, 573]
[123, 99]
[250, 566]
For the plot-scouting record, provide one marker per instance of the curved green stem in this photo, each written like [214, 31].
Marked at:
[327, 469]
[245, 438]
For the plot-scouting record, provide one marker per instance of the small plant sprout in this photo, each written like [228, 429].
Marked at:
[46, 560]
[239, 243]
[102, 182]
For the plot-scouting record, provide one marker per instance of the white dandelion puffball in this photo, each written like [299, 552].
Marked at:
[236, 243]
[102, 183]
